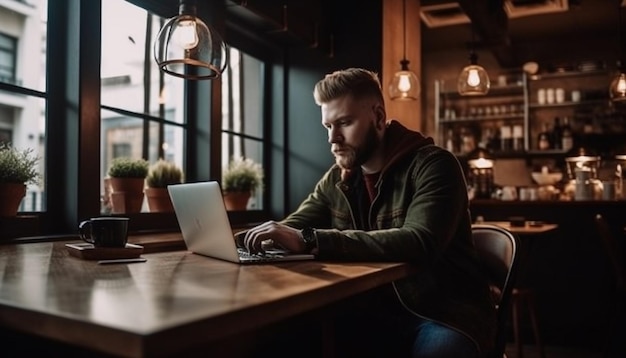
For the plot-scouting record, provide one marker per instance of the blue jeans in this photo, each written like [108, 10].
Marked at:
[435, 340]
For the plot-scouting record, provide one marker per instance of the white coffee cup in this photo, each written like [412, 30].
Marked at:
[509, 193]
[575, 96]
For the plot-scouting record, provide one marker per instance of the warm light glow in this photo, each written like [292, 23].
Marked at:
[481, 163]
[618, 88]
[404, 85]
[186, 35]
[473, 79]
[186, 47]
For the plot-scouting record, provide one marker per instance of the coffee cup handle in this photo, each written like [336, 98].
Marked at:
[84, 231]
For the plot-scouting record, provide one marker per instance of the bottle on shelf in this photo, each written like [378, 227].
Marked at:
[451, 142]
[557, 134]
[567, 136]
[493, 141]
[506, 138]
[468, 142]
[518, 137]
[543, 139]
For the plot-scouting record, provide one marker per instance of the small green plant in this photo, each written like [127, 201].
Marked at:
[18, 166]
[242, 175]
[124, 167]
[163, 173]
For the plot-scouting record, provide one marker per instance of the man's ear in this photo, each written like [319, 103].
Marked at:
[381, 116]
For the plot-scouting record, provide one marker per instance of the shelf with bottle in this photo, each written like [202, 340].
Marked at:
[498, 118]
[565, 107]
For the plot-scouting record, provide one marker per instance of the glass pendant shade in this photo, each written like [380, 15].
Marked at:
[617, 90]
[405, 85]
[473, 80]
[186, 47]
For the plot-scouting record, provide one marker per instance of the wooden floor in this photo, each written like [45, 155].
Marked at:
[552, 352]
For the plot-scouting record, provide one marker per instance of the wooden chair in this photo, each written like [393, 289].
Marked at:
[498, 252]
[525, 297]
[617, 301]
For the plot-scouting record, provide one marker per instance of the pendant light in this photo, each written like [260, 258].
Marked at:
[473, 80]
[617, 90]
[186, 47]
[405, 85]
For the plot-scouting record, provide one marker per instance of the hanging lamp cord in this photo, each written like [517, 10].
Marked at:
[620, 61]
[404, 29]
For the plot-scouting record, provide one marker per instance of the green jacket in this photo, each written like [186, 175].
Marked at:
[420, 215]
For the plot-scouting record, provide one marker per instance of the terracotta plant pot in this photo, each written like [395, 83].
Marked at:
[126, 195]
[159, 200]
[11, 195]
[236, 200]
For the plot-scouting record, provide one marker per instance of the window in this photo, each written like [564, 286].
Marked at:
[22, 86]
[8, 47]
[242, 113]
[142, 114]
[80, 101]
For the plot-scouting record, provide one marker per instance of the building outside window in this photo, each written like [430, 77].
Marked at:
[23, 85]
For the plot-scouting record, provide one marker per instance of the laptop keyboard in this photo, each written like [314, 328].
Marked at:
[266, 256]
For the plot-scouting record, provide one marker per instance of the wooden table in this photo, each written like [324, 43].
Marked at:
[526, 229]
[174, 301]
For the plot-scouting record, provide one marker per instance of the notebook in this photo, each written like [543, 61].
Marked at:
[206, 230]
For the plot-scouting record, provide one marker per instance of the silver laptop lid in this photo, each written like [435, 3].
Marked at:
[203, 219]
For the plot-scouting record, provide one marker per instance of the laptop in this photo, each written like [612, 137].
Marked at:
[206, 230]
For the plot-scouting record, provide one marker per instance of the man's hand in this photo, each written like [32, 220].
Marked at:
[282, 236]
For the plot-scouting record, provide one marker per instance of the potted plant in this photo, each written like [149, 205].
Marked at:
[126, 177]
[239, 180]
[161, 174]
[17, 169]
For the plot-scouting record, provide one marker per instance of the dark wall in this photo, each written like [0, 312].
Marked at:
[357, 43]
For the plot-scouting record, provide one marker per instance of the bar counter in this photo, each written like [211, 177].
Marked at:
[175, 302]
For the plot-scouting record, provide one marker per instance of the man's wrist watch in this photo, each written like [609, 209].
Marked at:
[310, 239]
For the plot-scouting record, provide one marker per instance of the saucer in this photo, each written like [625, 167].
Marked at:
[87, 251]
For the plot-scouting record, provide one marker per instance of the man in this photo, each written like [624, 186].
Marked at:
[392, 195]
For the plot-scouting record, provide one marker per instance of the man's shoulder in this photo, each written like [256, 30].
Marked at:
[429, 150]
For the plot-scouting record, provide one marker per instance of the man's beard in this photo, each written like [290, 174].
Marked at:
[352, 157]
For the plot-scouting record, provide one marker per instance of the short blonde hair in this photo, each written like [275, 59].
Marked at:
[358, 82]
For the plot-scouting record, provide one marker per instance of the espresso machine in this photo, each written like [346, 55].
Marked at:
[583, 183]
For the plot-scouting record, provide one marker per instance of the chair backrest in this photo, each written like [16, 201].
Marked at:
[499, 254]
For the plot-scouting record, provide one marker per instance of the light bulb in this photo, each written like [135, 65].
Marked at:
[404, 85]
[618, 88]
[621, 84]
[473, 79]
[186, 35]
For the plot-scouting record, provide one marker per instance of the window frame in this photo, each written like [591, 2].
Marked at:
[13, 55]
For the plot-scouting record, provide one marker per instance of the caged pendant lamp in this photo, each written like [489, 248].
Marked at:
[473, 80]
[405, 85]
[186, 47]
[617, 90]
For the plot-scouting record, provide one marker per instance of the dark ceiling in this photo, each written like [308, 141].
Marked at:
[587, 30]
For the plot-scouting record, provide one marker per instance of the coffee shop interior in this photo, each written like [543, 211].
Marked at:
[543, 145]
